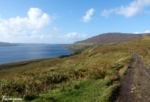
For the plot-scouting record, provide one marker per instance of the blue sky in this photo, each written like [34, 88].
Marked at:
[67, 21]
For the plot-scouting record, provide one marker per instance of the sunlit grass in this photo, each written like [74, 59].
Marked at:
[93, 75]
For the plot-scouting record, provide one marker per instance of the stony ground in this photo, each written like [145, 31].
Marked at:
[136, 83]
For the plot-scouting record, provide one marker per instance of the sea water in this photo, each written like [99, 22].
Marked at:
[22, 52]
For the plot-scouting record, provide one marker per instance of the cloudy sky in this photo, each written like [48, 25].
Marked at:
[67, 21]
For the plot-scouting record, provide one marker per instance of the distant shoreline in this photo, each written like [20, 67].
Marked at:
[8, 45]
[32, 60]
[25, 62]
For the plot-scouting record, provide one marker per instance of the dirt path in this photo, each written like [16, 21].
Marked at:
[136, 83]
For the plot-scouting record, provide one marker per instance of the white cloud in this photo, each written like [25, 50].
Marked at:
[56, 29]
[33, 38]
[17, 25]
[106, 13]
[136, 32]
[16, 28]
[35, 32]
[30, 29]
[148, 31]
[35, 20]
[88, 15]
[72, 37]
[134, 8]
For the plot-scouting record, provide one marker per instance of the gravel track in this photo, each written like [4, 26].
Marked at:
[135, 85]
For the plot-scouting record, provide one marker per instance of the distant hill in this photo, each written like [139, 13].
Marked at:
[110, 38]
[6, 44]
[103, 39]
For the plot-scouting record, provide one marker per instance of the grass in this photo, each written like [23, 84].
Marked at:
[141, 47]
[80, 91]
[93, 75]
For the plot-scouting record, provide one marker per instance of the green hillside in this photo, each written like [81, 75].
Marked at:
[94, 75]
[96, 72]
[7, 44]
[111, 38]
[104, 39]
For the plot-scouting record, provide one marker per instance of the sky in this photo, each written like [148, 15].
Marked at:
[68, 21]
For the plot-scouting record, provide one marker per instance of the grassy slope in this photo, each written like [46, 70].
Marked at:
[108, 38]
[103, 39]
[141, 47]
[95, 74]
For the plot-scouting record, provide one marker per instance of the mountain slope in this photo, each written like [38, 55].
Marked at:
[93, 75]
[95, 72]
[103, 39]
[109, 38]
[136, 82]
[6, 44]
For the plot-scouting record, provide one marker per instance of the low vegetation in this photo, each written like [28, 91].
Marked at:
[77, 48]
[141, 47]
[111, 38]
[93, 75]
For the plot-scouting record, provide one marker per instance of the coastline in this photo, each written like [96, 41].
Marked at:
[10, 69]
[41, 54]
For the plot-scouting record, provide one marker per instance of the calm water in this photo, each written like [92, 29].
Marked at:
[24, 52]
